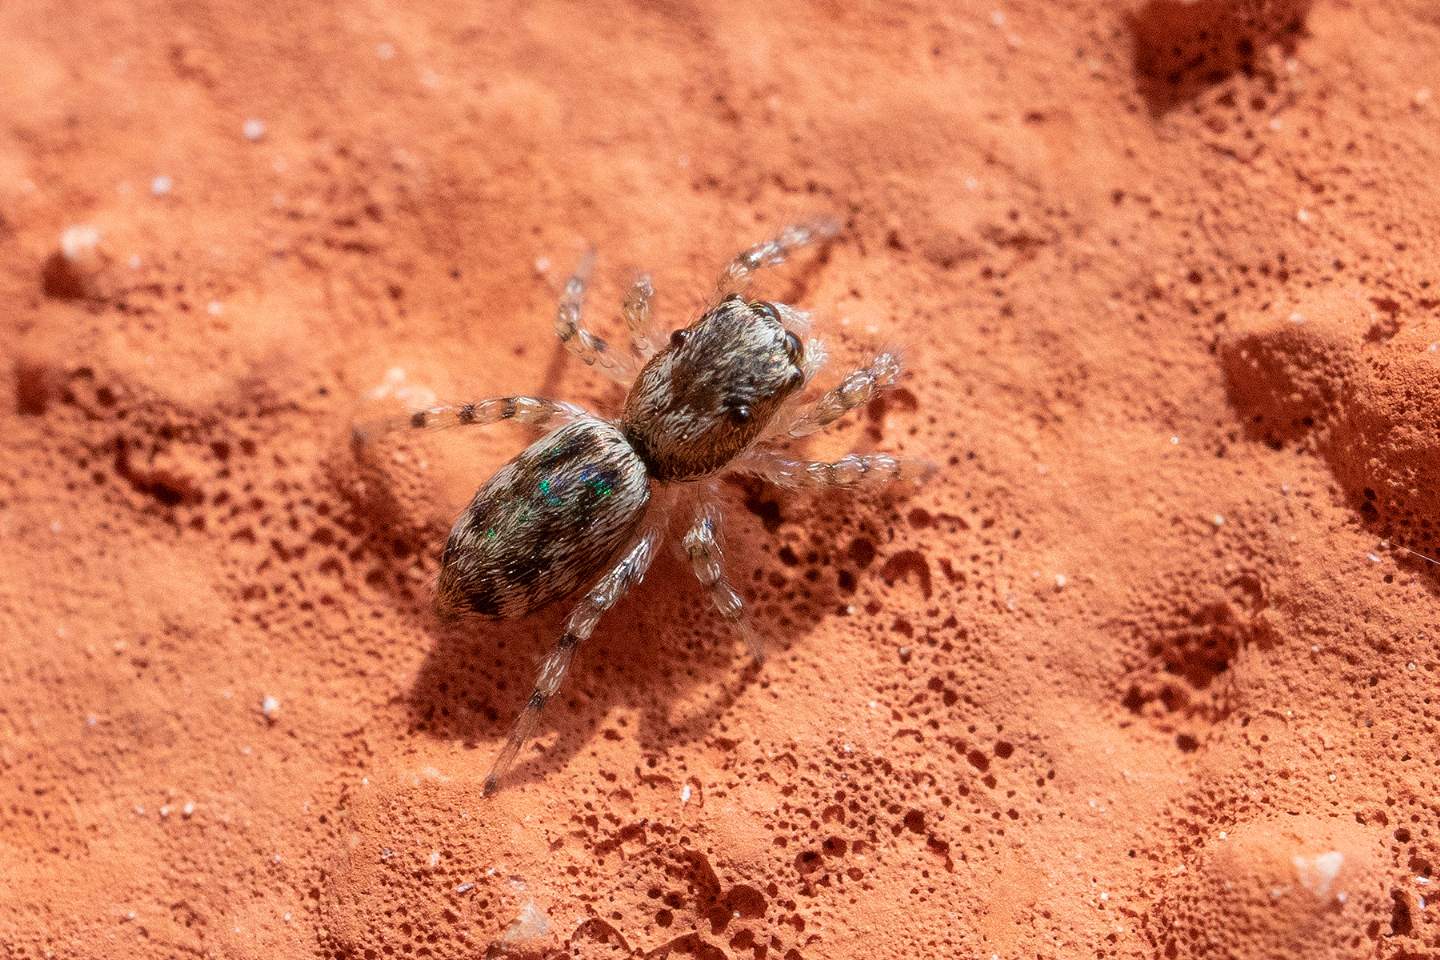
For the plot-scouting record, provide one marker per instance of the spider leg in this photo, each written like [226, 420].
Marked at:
[637, 317]
[627, 572]
[592, 350]
[536, 411]
[706, 553]
[855, 470]
[736, 275]
[856, 390]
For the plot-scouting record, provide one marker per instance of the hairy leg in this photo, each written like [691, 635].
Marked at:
[736, 275]
[707, 559]
[855, 470]
[535, 411]
[637, 317]
[579, 626]
[856, 390]
[592, 350]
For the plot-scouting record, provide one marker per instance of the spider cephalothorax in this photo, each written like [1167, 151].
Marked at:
[713, 389]
[583, 509]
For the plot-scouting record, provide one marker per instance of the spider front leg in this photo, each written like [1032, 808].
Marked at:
[707, 558]
[637, 317]
[856, 390]
[736, 275]
[855, 470]
[627, 572]
[592, 350]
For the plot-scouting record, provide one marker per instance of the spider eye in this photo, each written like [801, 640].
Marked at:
[740, 414]
[766, 309]
[794, 349]
[679, 337]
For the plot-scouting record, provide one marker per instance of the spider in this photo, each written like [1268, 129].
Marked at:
[586, 506]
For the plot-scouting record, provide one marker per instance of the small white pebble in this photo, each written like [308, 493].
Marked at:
[1434, 347]
[161, 185]
[1421, 97]
[542, 265]
[1224, 834]
[1060, 581]
[139, 810]
[189, 809]
[129, 914]
[286, 916]
[1218, 520]
[1104, 896]
[214, 308]
[434, 860]
[275, 858]
[91, 720]
[1297, 317]
[165, 810]
[848, 748]
[78, 244]
[1422, 880]
[1410, 666]
[685, 793]
[1175, 440]
[1373, 558]
[464, 887]
[1314, 648]
[253, 129]
[270, 707]
[1332, 778]
[1302, 215]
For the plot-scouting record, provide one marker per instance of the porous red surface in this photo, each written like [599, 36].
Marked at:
[1148, 670]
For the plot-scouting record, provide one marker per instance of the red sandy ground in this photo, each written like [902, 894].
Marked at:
[1145, 672]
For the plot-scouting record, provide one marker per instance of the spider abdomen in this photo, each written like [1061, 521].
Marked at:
[547, 523]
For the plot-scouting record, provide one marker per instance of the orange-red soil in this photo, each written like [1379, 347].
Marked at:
[1148, 671]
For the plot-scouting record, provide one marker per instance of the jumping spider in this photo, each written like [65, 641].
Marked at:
[586, 505]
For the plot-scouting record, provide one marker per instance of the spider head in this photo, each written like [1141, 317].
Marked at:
[714, 388]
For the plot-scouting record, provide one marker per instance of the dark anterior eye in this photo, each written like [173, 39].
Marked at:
[679, 337]
[740, 413]
[766, 309]
[794, 349]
